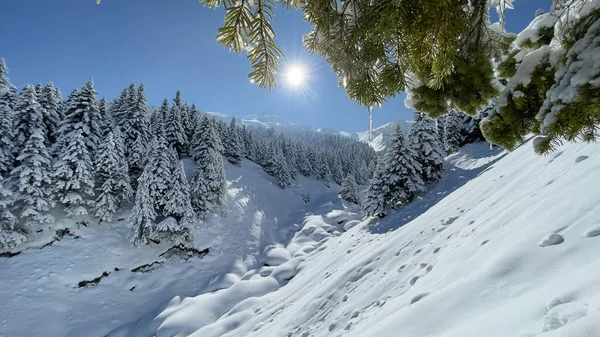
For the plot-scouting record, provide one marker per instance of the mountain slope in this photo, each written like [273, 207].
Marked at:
[505, 245]
[42, 282]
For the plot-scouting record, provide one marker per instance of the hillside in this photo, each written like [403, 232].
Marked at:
[505, 245]
[42, 283]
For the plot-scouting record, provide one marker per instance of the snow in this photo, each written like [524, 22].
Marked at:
[463, 261]
[40, 285]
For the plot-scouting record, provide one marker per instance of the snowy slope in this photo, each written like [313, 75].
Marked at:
[505, 245]
[40, 286]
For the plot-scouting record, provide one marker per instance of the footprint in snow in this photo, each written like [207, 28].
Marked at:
[551, 239]
[581, 158]
[592, 232]
[418, 298]
[436, 250]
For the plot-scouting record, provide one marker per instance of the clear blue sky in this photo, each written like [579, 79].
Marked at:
[170, 45]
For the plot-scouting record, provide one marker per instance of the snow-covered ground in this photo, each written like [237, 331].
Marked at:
[506, 245]
[40, 293]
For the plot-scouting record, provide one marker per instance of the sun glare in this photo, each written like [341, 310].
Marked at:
[295, 75]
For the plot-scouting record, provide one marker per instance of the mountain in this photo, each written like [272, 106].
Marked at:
[381, 135]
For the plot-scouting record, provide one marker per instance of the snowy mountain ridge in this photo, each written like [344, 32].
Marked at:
[381, 134]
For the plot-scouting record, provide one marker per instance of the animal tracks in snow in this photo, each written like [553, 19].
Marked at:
[551, 239]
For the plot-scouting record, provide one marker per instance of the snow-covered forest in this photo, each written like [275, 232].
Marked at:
[88, 157]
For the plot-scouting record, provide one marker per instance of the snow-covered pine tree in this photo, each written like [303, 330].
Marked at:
[403, 170]
[208, 184]
[427, 147]
[31, 176]
[178, 203]
[158, 171]
[159, 117]
[174, 129]
[51, 111]
[143, 214]
[231, 144]
[363, 173]
[376, 202]
[136, 130]
[280, 169]
[118, 108]
[303, 164]
[349, 190]
[7, 219]
[4, 83]
[7, 157]
[337, 173]
[112, 176]
[81, 115]
[289, 152]
[73, 173]
[194, 121]
[452, 131]
[206, 138]
[323, 172]
[107, 120]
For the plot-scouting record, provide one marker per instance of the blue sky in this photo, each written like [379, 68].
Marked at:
[170, 45]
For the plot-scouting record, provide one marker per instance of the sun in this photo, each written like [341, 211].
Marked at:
[295, 75]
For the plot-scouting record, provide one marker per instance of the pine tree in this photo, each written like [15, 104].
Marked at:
[205, 139]
[81, 115]
[51, 111]
[177, 199]
[231, 144]
[7, 219]
[31, 175]
[112, 176]
[427, 147]
[158, 171]
[108, 123]
[143, 214]
[4, 83]
[136, 130]
[208, 184]
[73, 173]
[280, 170]
[403, 170]
[159, 117]
[194, 121]
[377, 200]
[118, 108]
[174, 129]
[349, 190]
[363, 173]
[28, 117]
[7, 157]
[322, 168]
[452, 132]
[304, 165]
[337, 173]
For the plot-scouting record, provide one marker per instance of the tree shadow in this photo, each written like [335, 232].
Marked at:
[454, 177]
